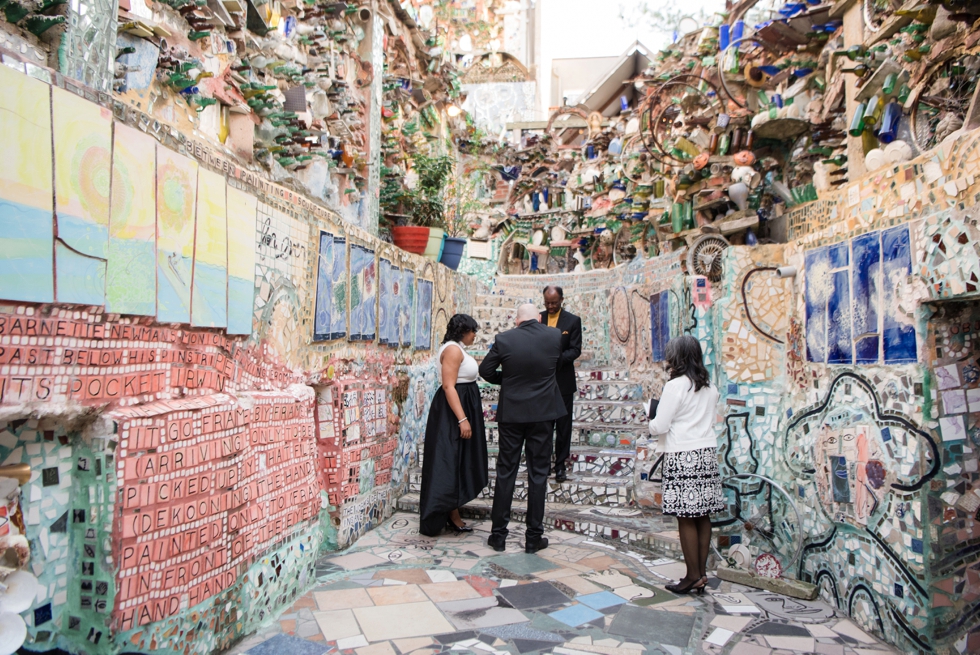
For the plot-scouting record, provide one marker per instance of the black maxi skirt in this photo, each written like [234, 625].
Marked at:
[454, 470]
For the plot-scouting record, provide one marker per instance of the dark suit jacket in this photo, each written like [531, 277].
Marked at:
[571, 347]
[528, 358]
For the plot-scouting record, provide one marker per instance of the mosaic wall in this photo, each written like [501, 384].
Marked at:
[853, 387]
[192, 364]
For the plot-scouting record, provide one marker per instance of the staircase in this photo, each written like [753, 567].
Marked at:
[597, 499]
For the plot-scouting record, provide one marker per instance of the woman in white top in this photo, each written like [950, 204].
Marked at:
[691, 482]
[454, 459]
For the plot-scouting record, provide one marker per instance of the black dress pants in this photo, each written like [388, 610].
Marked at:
[563, 433]
[535, 439]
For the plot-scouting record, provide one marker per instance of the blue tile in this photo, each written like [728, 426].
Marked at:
[576, 615]
[286, 645]
[865, 296]
[899, 333]
[818, 286]
[601, 600]
[839, 344]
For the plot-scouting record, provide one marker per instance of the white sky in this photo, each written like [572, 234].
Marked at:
[592, 28]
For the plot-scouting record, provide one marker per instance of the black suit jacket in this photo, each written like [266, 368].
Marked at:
[528, 358]
[571, 347]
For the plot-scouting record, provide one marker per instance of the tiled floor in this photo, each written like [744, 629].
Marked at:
[397, 592]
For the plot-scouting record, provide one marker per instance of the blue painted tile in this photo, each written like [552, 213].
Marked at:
[576, 615]
[818, 281]
[899, 334]
[286, 645]
[839, 345]
[865, 296]
[601, 600]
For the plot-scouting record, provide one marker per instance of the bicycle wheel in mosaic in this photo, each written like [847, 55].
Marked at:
[762, 524]
[941, 103]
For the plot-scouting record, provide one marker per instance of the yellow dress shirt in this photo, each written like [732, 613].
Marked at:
[553, 319]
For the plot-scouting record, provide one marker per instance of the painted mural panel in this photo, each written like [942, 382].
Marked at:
[898, 329]
[866, 292]
[363, 294]
[241, 260]
[406, 307]
[209, 296]
[388, 280]
[818, 288]
[423, 316]
[330, 321]
[176, 210]
[26, 205]
[659, 324]
[131, 285]
[839, 343]
[82, 174]
[860, 310]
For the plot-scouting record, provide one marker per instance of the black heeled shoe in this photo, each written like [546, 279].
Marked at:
[693, 587]
[457, 529]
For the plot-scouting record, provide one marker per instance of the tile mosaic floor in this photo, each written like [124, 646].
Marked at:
[396, 592]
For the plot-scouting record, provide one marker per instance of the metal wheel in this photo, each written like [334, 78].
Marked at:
[560, 260]
[669, 105]
[623, 249]
[704, 256]
[763, 48]
[942, 101]
[770, 525]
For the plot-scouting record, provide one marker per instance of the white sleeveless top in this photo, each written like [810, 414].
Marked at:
[468, 368]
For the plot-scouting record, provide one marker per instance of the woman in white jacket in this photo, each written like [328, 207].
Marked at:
[691, 482]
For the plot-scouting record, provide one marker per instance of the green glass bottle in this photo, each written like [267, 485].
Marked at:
[889, 85]
[857, 122]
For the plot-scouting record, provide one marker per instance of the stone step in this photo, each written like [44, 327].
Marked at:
[586, 434]
[586, 462]
[627, 528]
[619, 390]
[502, 300]
[578, 489]
[589, 391]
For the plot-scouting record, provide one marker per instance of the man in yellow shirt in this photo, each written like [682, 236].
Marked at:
[571, 347]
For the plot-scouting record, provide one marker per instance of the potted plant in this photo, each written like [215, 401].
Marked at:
[423, 199]
[463, 203]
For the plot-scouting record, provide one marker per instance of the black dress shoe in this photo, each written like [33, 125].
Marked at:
[560, 474]
[535, 546]
[499, 544]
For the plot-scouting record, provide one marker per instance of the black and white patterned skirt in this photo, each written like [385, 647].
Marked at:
[692, 484]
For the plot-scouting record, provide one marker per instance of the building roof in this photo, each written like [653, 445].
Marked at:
[603, 94]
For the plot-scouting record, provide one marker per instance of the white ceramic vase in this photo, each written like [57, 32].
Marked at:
[739, 194]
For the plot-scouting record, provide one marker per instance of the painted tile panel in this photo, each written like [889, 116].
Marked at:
[131, 283]
[26, 188]
[241, 260]
[363, 294]
[82, 173]
[388, 277]
[865, 293]
[176, 211]
[898, 329]
[330, 321]
[209, 297]
[423, 316]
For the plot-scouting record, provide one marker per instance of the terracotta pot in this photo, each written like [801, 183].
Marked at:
[411, 238]
[434, 246]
